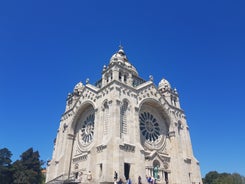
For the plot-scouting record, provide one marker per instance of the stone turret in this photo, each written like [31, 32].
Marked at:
[171, 95]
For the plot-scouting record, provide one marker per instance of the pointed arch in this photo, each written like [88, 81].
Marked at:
[105, 109]
[123, 117]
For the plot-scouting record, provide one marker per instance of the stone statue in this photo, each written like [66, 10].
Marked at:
[89, 176]
[155, 172]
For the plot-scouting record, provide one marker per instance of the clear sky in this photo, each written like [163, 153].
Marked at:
[47, 47]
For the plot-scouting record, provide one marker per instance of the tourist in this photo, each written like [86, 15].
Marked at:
[139, 180]
[129, 181]
[149, 180]
[115, 175]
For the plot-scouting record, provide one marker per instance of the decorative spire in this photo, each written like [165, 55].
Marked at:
[121, 51]
[120, 46]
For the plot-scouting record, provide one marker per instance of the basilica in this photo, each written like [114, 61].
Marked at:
[122, 127]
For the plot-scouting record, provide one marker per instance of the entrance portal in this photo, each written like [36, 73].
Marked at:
[126, 170]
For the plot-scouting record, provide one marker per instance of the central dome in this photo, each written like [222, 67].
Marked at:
[121, 58]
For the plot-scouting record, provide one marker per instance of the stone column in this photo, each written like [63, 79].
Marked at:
[122, 78]
[68, 154]
[115, 159]
[115, 74]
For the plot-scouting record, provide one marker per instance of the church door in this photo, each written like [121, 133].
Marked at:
[126, 170]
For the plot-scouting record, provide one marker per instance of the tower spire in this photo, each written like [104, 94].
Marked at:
[120, 46]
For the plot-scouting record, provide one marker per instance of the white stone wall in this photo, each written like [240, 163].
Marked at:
[135, 126]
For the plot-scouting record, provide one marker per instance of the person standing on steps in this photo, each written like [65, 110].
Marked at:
[129, 181]
[139, 180]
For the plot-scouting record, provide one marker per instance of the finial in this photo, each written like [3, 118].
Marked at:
[175, 90]
[87, 80]
[121, 51]
[120, 45]
[151, 78]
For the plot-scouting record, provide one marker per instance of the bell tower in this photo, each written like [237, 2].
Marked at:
[119, 69]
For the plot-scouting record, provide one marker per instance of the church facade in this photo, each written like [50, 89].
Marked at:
[123, 127]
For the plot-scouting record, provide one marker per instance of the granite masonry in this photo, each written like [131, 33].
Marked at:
[123, 127]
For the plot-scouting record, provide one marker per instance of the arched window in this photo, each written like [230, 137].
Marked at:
[125, 78]
[120, 76]
[123, 117]
[105, 117]
[180, 126]
[111, 75]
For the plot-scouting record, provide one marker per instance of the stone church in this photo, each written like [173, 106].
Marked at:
[123, 127]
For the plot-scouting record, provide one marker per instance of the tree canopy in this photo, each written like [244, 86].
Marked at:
[25, 170]
[5, 166]
[213, 177]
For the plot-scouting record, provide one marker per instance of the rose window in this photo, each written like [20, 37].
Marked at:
[149, 126]
[87, 130]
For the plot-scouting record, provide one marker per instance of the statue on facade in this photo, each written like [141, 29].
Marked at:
[89, 176]
[155, 172]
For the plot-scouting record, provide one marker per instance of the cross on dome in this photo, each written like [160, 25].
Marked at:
[120, 45]
[121, 51]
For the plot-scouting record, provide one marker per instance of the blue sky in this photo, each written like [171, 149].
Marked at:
[46, 47]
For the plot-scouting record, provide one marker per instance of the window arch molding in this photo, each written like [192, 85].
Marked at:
[105, 116]
[124, 109]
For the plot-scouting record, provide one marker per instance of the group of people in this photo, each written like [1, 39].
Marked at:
[120, 181]
[80, 176]
[149, 180]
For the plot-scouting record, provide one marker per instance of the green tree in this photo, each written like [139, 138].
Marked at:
[210, 177]
[28, 169]
[223, 178]
[238, 179]
[5, 166]
[214, 177]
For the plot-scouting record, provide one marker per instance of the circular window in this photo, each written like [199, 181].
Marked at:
[85, 129]
[149, 126]
[153, 126]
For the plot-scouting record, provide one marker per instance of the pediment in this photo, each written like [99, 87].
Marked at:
[153, 155]
[149, 91]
